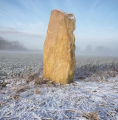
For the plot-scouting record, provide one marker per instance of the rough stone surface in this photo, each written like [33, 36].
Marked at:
[59, 48]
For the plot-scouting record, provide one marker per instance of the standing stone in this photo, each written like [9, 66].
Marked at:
[59, 48]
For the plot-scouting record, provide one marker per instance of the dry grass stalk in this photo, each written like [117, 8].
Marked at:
[2, 104]
[92, 116]
[52, 90]
[7, 82]
[37, 91]
[108, 71]
[38, 80]
[114, 74]
[16, 97]
[45, 81]
[32, 77]
[21, 88]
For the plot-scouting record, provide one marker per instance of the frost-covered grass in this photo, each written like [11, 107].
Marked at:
[72, 101]
[19, 64]
[93, 95]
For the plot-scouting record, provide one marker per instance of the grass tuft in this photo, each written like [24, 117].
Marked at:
[37, 91]
[92, 116]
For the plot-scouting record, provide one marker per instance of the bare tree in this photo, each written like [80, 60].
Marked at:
[88, 48]
[10, 45]
[102, 49]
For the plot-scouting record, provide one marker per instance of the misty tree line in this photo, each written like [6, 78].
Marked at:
[10, 45]
[99, 49]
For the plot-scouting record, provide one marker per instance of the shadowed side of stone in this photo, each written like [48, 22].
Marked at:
[59, 48]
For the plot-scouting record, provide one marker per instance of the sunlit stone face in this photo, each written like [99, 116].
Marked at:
[59, 48]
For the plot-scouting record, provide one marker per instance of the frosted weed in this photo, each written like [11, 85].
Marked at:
[91, 116]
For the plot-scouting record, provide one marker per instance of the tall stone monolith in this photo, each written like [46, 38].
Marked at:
[59, 48]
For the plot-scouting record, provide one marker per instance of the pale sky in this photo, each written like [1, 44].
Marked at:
[27, 21]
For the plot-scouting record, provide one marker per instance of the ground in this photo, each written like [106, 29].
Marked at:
[93, 95]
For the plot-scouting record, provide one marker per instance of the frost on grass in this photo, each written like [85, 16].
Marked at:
[92, 95]
[78, 100]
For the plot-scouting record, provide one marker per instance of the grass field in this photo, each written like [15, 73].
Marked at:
[93, 95]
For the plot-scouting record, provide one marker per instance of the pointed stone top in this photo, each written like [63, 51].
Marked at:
[69, 15]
